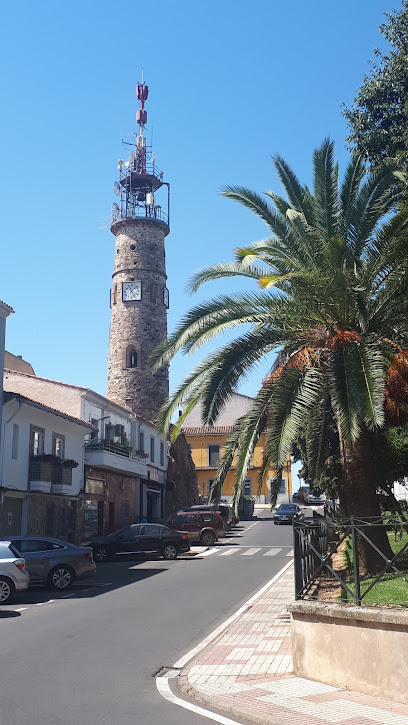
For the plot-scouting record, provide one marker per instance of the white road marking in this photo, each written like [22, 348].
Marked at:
[290, 553]
[40, 604]
[206, 553]
[21, 609]
[164, 689]
[228, 552]
[272, 552]
[250, 552]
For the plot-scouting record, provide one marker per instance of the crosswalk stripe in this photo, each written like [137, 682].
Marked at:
[228, 552]
[250, 552]
[290, 553]
[272, 552]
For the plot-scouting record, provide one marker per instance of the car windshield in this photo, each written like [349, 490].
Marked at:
[287, 508]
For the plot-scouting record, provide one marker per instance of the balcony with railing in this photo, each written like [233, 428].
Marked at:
[45, 476]
[115, 456]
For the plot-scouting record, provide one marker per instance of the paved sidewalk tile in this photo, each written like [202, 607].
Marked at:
[250, 665]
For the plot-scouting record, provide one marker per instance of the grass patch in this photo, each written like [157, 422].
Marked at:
[391, 588]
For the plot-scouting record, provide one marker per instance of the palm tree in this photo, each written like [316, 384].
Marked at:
[331, 300]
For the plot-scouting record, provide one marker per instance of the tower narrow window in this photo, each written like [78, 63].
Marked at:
[131, 357]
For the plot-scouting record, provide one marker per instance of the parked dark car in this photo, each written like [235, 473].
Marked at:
[141, 539]
[53, 562]
[205, 526]
[223, 509]
[287, 513]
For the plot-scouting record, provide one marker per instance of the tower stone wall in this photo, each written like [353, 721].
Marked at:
[138, 325]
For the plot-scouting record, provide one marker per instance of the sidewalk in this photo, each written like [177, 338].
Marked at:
[247, 673]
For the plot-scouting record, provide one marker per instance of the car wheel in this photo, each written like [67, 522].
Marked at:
[6, 589]
[207, 538]
[170, 552]
[101, 554]
[60, 578]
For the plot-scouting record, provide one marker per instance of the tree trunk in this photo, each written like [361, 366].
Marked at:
[359, 485]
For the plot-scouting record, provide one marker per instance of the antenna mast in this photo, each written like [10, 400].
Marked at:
[142, 92]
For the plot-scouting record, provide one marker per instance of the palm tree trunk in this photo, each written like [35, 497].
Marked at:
[359, 485]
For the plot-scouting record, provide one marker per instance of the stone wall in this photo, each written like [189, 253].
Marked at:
[139, 256]
[55, 516]
[358, 648]
[182, 473]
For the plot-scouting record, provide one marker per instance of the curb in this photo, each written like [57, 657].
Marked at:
[240, 712]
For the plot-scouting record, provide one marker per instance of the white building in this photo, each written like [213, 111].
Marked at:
[125, 457]
[5, 311]
[41, 470]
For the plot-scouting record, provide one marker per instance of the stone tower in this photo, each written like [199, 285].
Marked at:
[139, 296]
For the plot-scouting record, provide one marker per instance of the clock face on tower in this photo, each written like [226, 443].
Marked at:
[131, 291]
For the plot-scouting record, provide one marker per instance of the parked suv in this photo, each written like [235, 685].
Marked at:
[13, 574]
[203, 526]
[223, 509]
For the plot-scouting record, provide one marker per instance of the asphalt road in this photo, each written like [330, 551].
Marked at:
[89, 657]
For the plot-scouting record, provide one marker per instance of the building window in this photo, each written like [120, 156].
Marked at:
[190, 449]
[131, 357]
[115, 294]
[109, 431]
[36, 441]
[141, 441]
[152, 449]
[14, 444]
[248, 487]
[283, 485]
[213, 455]
[161, 453]
[58, 445]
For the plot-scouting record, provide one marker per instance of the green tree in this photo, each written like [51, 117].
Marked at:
[378, 118]
[332, 300]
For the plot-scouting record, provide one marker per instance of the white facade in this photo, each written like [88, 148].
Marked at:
[105, 415]
[401, 490]
[5, 311]
[21, 419]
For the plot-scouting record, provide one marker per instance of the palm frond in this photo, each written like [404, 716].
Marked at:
[299, 199]
[376, 198]
[353, 177]
[294, 395]
[222, 270]
[325, 189]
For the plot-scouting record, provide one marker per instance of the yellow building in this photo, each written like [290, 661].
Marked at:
[207, 444]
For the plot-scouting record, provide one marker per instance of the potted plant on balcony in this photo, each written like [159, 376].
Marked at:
[67, 465]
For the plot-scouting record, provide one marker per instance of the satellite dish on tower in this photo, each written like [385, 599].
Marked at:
[116, 188]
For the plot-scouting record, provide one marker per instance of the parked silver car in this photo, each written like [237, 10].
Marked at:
[13, 575]
[54, 563]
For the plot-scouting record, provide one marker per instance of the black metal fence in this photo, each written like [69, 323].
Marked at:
[329, 564]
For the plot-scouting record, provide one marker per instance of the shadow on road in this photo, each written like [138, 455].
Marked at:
[7, 613]
[109, 576]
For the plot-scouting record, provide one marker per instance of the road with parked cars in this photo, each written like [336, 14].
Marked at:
[88, 653]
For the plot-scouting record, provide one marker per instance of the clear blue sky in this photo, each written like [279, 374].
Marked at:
[231, 83]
